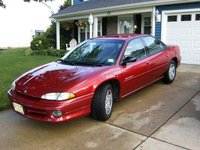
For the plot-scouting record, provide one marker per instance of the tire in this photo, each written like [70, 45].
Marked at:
[102, 104]
[170, 75]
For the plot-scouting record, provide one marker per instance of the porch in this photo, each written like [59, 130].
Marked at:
[126, 21]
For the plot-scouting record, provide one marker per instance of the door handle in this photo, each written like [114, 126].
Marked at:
[167, 55]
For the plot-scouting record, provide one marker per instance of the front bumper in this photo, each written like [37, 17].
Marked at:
[39, 109]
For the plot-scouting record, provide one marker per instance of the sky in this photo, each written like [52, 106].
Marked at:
[19, 20]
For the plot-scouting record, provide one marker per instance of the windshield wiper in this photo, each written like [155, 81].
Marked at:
[90, 63]
[68, 62]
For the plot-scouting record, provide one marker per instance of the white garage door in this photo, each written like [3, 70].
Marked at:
[183, 29]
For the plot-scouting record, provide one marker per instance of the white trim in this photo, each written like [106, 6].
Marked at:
[142, 24]
[79, 36]
[95, 27]
[164, 19]
[86, 37]
[106, 14]
[153, 18]
[72, 2]
[57, 35]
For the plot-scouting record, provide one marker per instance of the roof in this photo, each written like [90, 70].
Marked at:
[96, 4]
[108, 5]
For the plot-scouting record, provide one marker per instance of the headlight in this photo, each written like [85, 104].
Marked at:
[13, 86]
[58, 96]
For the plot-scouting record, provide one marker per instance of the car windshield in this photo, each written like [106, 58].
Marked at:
[98, 52]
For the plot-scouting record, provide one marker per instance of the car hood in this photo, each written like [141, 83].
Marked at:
[53, 77]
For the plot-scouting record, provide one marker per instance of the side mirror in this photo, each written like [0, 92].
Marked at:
[129, 59]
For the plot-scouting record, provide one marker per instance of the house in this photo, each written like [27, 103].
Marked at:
[172, 21]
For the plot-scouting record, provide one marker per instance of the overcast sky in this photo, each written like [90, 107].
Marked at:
[19, 21]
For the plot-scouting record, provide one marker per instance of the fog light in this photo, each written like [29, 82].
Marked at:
[57, 113]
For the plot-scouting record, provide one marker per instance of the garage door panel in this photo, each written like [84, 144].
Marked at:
[172, 31]
[186, 34]
[185, 44]
[196, 30]
[187, 57]
[196, 58]
[185, 31]
[196, 45]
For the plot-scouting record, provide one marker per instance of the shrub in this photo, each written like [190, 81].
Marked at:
[40, 43]
[57, 53]
[46, 52]
[28, 52]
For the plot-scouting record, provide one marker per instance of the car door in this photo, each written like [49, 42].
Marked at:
[134, 74]
[158, 58]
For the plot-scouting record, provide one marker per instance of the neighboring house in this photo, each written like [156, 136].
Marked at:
[38, 32]
[173, 21]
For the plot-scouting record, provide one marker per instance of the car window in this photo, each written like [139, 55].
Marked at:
[135, 48]
[96, 52]
[153, 45]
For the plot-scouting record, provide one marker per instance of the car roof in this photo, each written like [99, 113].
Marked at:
[120, 36]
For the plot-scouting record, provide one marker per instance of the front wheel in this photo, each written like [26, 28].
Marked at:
[170, 75]
[102, 103]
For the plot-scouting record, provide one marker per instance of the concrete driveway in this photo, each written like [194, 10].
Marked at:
[159, 117]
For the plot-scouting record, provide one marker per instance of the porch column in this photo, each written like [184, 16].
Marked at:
[91, 21]
[95, 28]
[153, 15]
[57, 35]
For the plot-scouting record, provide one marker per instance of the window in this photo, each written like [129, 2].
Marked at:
[172, 18]
[154, 46]
[135, 49]
[186, 17]
[197, 17]
[147, 25]
[125, 25]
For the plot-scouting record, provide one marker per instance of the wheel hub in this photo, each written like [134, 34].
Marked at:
[108, 102]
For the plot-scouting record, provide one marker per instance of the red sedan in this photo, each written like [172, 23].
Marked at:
[91, 77]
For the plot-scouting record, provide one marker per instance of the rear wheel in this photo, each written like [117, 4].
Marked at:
[170, 75]
[102, 103]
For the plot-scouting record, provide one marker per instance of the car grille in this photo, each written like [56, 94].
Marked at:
[35, 112]
[32, 112]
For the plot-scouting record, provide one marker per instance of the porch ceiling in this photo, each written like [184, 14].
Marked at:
[105, 6]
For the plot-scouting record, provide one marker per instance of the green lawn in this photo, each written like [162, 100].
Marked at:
[13, 63]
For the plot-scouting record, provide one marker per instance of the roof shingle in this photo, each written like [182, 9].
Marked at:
[96, 4]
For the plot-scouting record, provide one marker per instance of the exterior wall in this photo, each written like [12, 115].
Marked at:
[172, 7]
[79, 1]
[112, 25]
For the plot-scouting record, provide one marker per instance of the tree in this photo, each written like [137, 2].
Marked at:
[65, 35]
[4, 6]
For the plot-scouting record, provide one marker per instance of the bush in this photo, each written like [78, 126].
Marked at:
[29, 52]
[40, 43]
[55, 52]
[65, 36]
[46, 52]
